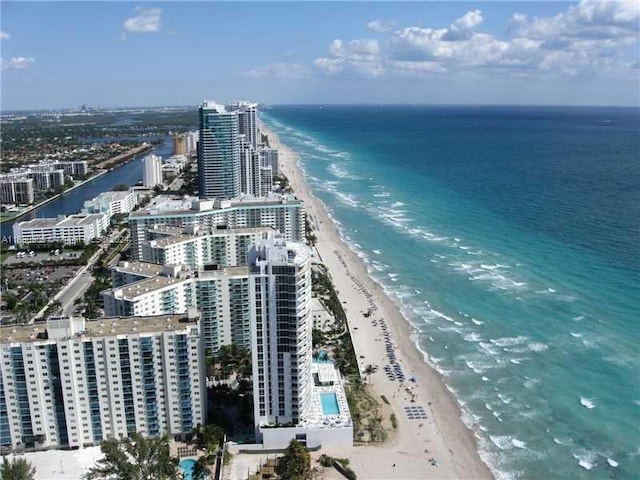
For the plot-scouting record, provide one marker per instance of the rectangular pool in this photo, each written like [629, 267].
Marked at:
[329, 403]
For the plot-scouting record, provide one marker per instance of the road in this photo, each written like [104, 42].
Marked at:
[67, 297]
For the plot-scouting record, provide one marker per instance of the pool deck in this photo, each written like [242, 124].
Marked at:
[332, 383]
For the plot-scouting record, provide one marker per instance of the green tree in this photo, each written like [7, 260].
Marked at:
[296, 463]
[17, 469]
[202, 468]
[207, 437]
[135, 458]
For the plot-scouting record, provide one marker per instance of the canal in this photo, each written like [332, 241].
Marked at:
[72, 202]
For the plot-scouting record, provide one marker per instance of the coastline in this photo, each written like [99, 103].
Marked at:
[408, 452]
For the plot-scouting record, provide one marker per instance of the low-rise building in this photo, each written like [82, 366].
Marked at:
[112, 203]
[71, 230]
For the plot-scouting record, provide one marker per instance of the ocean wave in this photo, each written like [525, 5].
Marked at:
[586, 459]
[472, 337]
[347, 198]
[509, 341]
[341, 172]
[587, 403]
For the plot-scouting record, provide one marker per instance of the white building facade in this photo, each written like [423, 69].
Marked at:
[196, 248]
[281, 328]
[284, 213]
[112, 203]
[152, 171]
[70, 230]
[79, 383]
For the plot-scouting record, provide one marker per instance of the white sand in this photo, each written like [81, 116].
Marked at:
[443, 436]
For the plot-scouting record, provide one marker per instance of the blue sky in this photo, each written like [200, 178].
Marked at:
[63, 55]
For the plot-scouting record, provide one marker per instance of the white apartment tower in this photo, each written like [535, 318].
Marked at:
[281, 326]
[76, 383]
[152, 172]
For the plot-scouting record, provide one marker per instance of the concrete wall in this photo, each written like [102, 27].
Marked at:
[334, 437]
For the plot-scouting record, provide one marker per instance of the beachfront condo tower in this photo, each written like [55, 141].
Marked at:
[247, 121]
[280, 288]
[218, 152]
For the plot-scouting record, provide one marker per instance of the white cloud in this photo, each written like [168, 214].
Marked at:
[4, 36]
[290, 71]
[146, 21]
[381, 25]
[592, 38]
[16, 63]
[360, 56]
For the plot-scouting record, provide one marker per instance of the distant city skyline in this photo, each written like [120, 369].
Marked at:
[63, 55]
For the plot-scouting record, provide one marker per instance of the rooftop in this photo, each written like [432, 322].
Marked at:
[138, 268]
[168, 205]
[80, 219]
[39, 223]
[148, 285]
[102, 327]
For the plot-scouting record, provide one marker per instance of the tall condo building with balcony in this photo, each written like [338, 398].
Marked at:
[247, 121]
[73, 383]
[280, 331]
[220, 294]
[218, 152]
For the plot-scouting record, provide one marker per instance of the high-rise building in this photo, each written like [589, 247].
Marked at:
[247, 121]
[16, 189]
[76, 383]
[281, 326]
[180, 144]
[221, 295]
[218, 153]
[152, 171]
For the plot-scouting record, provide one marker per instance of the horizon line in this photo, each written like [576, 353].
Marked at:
[268, 104]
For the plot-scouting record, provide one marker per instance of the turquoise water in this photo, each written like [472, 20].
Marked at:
[329, 403]
[322, 357]
[187, 467]
[509, 238]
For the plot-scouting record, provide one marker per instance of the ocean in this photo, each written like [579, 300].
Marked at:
[510, 238]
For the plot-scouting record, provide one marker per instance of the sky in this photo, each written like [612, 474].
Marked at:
[66, 54]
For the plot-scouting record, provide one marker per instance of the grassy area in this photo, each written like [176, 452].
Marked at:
[6, 216]
[365, 412]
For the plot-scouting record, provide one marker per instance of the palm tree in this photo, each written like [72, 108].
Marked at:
[369, 370]
[17, 469]
[296, 463]
[135, 458]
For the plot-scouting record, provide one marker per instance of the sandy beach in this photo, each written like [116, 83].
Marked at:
[438, 446]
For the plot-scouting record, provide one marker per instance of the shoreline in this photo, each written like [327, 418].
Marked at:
[442, 436]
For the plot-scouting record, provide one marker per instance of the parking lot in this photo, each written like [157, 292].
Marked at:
[42, 256]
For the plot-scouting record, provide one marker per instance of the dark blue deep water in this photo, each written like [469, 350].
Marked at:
[510, 237]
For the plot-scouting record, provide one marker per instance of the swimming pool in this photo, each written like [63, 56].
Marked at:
[322, 357]
[329, 403]
[187, 466]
